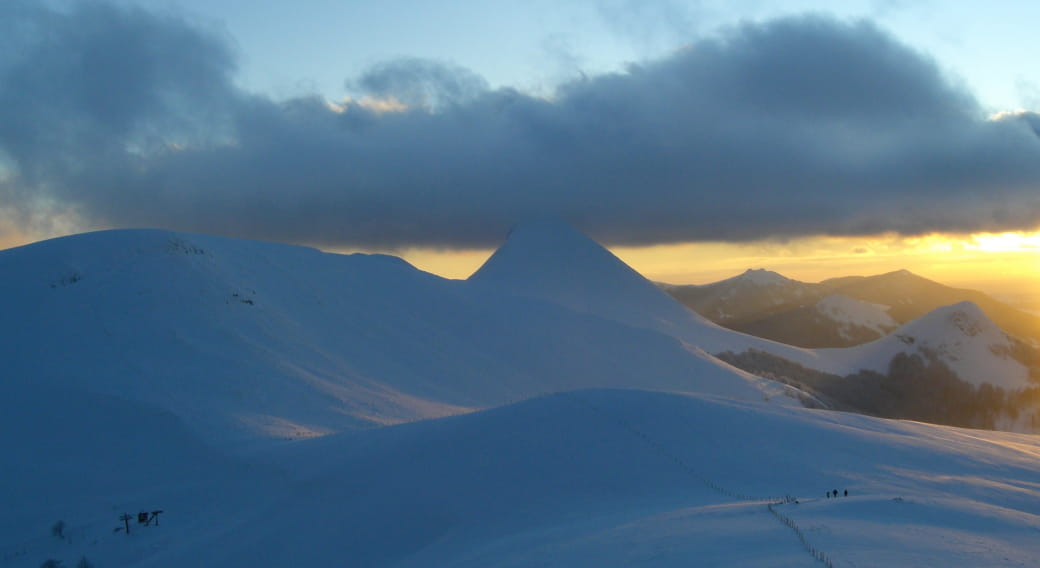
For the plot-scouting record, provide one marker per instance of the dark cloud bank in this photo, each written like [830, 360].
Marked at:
[798, 126]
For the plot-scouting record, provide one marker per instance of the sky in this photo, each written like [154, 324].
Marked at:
[694, 138]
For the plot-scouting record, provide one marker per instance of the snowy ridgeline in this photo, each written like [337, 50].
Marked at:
[953, 366]
[243, 339]
[249, 391]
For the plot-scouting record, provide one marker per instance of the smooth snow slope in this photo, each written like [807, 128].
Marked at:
[246, 341]
[604, 478]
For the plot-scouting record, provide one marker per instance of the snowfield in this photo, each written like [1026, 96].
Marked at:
[605, 477]
[286, 407]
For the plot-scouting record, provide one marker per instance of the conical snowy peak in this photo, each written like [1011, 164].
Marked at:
[548, 247]
[552, 261]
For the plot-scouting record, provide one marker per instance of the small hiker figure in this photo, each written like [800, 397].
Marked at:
[828, 494]
[846, 492]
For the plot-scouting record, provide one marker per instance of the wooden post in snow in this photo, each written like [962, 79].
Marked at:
[125, 517]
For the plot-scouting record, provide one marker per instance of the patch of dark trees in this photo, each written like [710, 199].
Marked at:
[916, 387]
[1028, 356]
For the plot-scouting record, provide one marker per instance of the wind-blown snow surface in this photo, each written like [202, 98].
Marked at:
[604, 478]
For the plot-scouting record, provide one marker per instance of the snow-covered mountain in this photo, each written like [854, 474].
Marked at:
[910, 296]
[254, 392]
[242, 338]
[970, 348]
[233, 339]
[550, 260]
[961, 336]
[745, 298]
[553, 262]
[790, 312]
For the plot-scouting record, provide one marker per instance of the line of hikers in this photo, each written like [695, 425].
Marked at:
[835, 494]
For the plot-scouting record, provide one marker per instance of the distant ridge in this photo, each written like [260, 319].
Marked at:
[780, 310]
[746, 298]
[760, 277]
[835, 320]
[912, 296]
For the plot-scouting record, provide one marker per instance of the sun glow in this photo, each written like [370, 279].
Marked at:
[1005, 242]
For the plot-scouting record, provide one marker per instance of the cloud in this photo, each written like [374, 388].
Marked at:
[121, 117]
[421, 83]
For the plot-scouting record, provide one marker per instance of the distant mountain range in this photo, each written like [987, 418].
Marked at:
[895, 344]
[838, 312]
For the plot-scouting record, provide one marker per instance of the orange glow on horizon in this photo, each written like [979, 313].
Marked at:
[1005, 242]
[993, 262]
